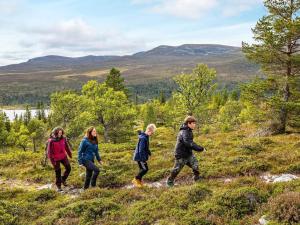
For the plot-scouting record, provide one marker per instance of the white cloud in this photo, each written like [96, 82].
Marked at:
[191, 9]
[195, 9]
[72, 38]
[77, 35]
[9, 7]
[235, 7]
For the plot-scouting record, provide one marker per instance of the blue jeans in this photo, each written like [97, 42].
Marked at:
[91, 175]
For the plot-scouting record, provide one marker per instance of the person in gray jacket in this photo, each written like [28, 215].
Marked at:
[184, 151]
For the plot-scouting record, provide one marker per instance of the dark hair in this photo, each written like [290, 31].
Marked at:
[56, 130]
[89, 135]
[189, 119]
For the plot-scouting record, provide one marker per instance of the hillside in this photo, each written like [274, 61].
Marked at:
[35, 79]
[231, 191]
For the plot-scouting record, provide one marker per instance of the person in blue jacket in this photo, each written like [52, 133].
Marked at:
[142, 154]
[88, 150]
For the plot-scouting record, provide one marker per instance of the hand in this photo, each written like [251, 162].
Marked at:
[204, 150]
[100, 162]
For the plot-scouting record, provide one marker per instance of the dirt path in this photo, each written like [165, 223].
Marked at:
[73, 192]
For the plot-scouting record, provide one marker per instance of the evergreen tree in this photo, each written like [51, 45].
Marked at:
[149, 115]
[277, 48]
[27, 115]
[115, 81]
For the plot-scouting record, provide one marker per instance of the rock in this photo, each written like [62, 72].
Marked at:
[46, 186]
[155, 185]
[228, 180]
[285, 178]
[263, 221]
[279, 178]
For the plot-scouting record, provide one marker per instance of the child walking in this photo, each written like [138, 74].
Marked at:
[142, 154]
[184, 151]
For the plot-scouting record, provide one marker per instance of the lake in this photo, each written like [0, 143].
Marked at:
[12, 112]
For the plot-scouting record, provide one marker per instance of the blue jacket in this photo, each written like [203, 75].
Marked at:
[142, 151]
[87, 151]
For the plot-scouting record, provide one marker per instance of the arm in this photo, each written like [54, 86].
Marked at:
[148, 149]
[187, 140]
[81, 149]
[49, 152]
[143, 147]
[68, 148]
[97, 154]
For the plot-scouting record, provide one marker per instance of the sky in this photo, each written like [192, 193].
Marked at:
[74, 28]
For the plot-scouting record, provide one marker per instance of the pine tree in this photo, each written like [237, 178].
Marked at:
[115, 81]
[27, 115]
[277, 48]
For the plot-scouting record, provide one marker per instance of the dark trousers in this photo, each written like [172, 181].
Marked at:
[91, 175]
[191, 162]
[143, 166]
[59, 178]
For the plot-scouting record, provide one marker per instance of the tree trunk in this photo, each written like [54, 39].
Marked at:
[34, 145]
[106, 136]
[286, 90]
[283, 111]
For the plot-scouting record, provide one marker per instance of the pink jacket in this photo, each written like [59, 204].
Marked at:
[58, 149]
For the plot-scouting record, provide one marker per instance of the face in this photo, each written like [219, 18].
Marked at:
[59, 134]
[192, 125]
[94, 132]
[150, 132]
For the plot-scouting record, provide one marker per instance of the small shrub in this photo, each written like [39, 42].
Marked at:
[226, 128]
[44, 195]
[266, 141]
[252, 148]
[97, 209]
[198, 193]
[241, 201]
[295, 168]
[286, 207]
[205, 130]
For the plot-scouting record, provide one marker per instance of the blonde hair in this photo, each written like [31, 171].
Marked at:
[151, 127]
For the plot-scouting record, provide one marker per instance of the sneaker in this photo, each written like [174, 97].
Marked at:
[137, 183]
[170, 183]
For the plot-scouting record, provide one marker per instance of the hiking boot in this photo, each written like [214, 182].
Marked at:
[198, 178]
[65, 183]
[170, 183]
[137, 183]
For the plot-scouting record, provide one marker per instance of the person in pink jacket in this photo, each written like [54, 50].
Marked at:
[58, 150]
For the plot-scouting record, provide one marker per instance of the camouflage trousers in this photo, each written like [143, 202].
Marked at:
[191, 162]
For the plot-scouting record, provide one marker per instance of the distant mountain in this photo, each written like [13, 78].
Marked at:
[54, 62]
[50, 73]
[190, 50]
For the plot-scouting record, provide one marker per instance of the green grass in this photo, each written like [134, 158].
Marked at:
[212, 201]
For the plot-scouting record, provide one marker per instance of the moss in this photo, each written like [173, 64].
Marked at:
[43, 195]
[241, 201]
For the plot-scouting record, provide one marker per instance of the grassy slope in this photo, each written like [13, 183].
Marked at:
[37, 86]
[232, 154]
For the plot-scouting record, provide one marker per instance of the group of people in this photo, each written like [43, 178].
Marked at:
[59, 149]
